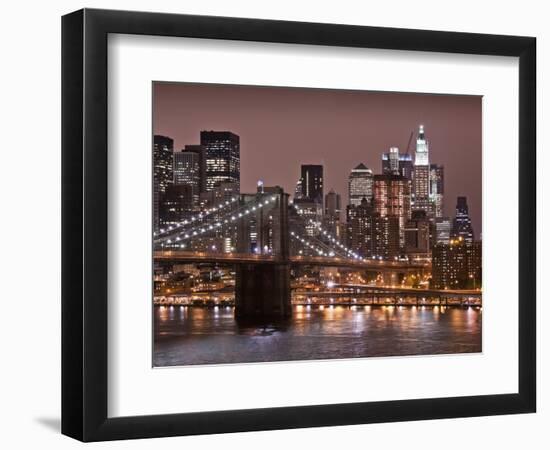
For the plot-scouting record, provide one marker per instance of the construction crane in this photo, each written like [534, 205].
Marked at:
[409, 143]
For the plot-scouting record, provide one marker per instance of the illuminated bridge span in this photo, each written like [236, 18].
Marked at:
[182, 256]
[261, 229]
[397, 295]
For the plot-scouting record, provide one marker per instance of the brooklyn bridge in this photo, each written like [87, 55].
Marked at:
[270, 238]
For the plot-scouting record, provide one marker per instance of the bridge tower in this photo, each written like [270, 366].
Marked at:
[262, 289]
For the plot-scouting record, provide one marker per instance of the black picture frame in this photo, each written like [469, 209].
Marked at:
[84, 224]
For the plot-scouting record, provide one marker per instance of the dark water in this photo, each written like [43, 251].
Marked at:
[194, 335]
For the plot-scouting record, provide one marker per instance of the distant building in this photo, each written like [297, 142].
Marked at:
[442, 230]
[200, 151]
[385, 236]
[417, 235]
[163, 148]
[392, 197]
[333, 205]
[298, 191]
[360, 185]
[310, 213]
[312, 182]
[176, 205]
[371, 235]
[404, 163]
[456, 265]
[437, 182]
[359, 234]
[462, 224]
[222, 158]
[225, 191]
[421, 174]
[187, 171]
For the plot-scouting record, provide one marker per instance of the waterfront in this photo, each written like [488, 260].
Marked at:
[187, 335]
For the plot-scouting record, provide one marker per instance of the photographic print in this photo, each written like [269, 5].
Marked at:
[314, 224]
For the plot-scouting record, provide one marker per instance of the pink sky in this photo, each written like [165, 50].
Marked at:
[282, 128]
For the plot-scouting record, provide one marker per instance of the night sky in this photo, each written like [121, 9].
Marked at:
[282, 128]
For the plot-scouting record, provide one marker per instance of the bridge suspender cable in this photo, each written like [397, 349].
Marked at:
[186, 233]
[172, 228]
[348, 252]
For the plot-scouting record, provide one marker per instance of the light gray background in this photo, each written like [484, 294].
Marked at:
[30, 190]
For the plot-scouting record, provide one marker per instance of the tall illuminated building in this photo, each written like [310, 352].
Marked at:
[312, 182]
[331, 218]
[359, 235]
[442, 230]
[163, 150]
[457, 265]
[199, 151]
[392, 198]
[395, 162]
[177, 204]
[310, 213]
[417, 235]
[436, 189]
[298, 189]
[385, 242]
[462, 224]
[421, 174]
[187, 171]
[360, 185]
[333, 204]
[222, 158]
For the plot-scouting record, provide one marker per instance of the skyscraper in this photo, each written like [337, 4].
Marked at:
[222, 158]
[462, 224]
[199, 150]
[332, 216]
[392, 197]
[403, 160]
[187, 172]
[163, 148]
[442, 230]
[359, 233]
[421, 173]
[385, 236]
[417, 235]
[177, 204]
[456, 265]
[312, 182]
[333, 204]
[436, 189]
[298, 189]
[360, 185]
[310, 213]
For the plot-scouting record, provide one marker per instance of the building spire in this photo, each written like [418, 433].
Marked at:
[422, 149]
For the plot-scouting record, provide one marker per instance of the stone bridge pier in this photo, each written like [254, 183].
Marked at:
[262, 291]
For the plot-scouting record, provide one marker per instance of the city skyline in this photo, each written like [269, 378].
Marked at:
[179, 103]
[296, 222]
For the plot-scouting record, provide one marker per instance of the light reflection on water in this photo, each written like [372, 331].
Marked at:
[194, 335]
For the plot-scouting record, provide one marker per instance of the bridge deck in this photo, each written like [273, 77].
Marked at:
[248, 258]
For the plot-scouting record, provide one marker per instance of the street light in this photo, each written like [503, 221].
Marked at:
[474, 278]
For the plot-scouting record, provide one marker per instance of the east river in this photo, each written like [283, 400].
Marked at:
[187, 335]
